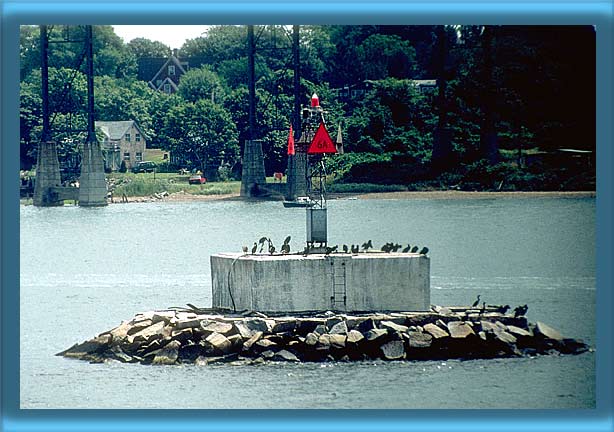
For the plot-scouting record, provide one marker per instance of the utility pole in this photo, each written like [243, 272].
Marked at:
[253, 176]
[92, 182]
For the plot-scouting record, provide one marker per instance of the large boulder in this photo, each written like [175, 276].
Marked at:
[393, 350]
[337, 341]
[243, 330]
[217, 344]
[517, 331]
[375, 334]
[97, 345]
[435, 331]
[547, 332]
[285, 355]
[311, 339]
[339, 328]
[419, 340]
[258, 324]
[393, 327]
[308, 325]
[460, 330]
[167, 355]
[218, 327]
[148, 333]
[354, 337]
[284, 325]
[247, 345]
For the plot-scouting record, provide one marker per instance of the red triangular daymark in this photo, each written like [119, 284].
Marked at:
[322, 143]
[291, 142]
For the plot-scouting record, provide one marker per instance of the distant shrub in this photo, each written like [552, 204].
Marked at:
[364, 188]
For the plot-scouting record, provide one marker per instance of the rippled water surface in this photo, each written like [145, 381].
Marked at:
[102, 266]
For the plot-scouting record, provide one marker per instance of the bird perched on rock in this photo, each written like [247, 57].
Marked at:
[255, 248]
[520, 311]
[475, 303]
[503, 309]
[345, 249]
[355, 249]
[407, 249]
[367, 245]
[387, 247]
[424, 251]
[271, 249]
[396, 247]
[334, 248]
[414, 249]
[244, 249]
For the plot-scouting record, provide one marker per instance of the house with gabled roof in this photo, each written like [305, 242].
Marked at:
[123, 141]
[164, 73]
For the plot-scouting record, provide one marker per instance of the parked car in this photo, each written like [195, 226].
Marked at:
[197, 179]
[144, 167]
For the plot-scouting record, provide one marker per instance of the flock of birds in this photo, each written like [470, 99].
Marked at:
[389, 247]
[285, 247]
[518, 311]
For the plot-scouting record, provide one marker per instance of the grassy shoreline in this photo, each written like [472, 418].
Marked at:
[175, 188]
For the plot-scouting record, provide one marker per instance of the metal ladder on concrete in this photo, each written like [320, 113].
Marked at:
[338, 299]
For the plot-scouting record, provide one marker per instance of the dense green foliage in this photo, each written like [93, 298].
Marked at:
[512, 94]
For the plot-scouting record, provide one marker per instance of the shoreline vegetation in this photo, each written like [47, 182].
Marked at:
[168, 187]
[443, 194]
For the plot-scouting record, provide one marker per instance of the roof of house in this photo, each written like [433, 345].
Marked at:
[148, 67]
[116, 129]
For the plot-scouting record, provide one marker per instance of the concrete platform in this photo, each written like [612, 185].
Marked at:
[345, 282]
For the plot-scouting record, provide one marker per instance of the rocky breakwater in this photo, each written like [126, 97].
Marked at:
[206, 336]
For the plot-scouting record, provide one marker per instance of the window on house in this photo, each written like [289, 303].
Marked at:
[137, 137]
[139, 156]
[127, 156]
[171, 70]
[128, 137]
[167, 88]
[158, 82]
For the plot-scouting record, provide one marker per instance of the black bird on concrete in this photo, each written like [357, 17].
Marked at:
[255, 248]
[396, 247]
[334, 248]
[483, 308]
[387, 247]
[367, 245]
[424, 250]
[244, 249]
[407, 249]
[345, 249]
[414, 249]
[355, 249]
[475, 303]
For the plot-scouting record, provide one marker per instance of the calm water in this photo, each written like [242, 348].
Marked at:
[102, 266]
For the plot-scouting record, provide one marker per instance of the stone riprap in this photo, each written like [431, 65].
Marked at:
[208, 336]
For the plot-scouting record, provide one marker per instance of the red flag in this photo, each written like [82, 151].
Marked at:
[291, 142]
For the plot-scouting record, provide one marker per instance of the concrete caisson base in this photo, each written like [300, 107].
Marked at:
[290, 283]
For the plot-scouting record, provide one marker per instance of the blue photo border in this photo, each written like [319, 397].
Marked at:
[16, 13]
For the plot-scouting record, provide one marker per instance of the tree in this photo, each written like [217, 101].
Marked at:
[381, 56]
[201, 83]
[142, 48]
[203, 134]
